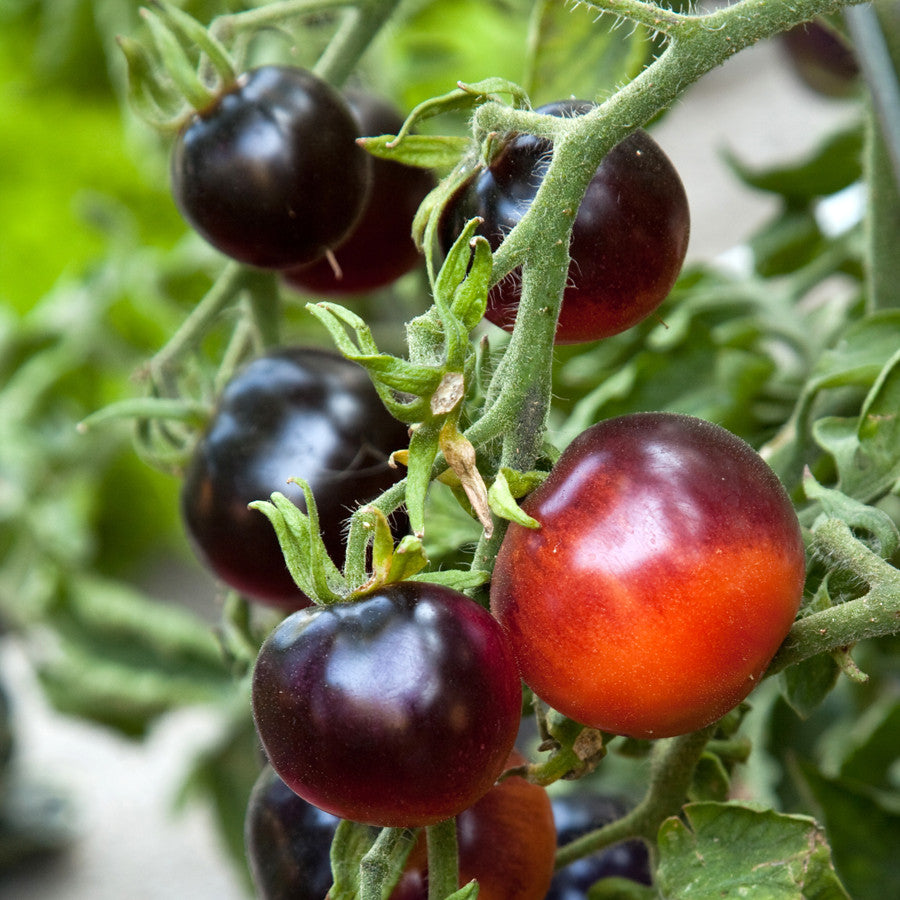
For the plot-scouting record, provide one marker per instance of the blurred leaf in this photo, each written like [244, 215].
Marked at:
[734, 849]
[573, 53]
[864, 834]
[834, 165]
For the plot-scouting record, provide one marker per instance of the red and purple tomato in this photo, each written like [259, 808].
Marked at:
[668, 568]
[399, 709]
[629, 238]
[380, 248]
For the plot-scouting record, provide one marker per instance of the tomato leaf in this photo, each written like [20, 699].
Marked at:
[724, 849]
[422, 150]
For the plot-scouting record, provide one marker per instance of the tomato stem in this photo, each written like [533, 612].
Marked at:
[443, 860]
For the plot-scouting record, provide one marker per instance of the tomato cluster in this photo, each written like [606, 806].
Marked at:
[271, 175]
[666, 568]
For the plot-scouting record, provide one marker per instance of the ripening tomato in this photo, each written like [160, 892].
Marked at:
[668, 568]
[507, 842]
[628, 242]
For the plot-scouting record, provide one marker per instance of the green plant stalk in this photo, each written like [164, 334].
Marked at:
[674, 761]
[361, 24]
[875, 614]
[443, 860]
[377, 866]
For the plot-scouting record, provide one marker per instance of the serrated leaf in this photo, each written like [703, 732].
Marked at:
[740, 850]
[834, 165]
[807, 684]
[421, 150]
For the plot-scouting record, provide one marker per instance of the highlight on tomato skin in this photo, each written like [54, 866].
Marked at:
[668, 568]
[399, 709]
[507, 842]
[629, 239]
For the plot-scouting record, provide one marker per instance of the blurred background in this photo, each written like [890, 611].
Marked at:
[81, 182]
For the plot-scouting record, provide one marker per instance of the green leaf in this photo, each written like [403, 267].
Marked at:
[457, 579]
[711, 780]
[421, 150]
[467, 892]
[834, 165]
[864, 834]
[502, 503]
[859, 516]
[350, 844]
[736, 849]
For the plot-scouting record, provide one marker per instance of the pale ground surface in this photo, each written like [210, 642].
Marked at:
[132, 847]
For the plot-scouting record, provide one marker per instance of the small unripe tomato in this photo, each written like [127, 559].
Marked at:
[668, 568]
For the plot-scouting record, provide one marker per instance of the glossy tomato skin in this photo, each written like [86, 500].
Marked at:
[270, 174]
[288, 842]
[668, 569]
[628, 242]
[294, 412]
[380, 248]
[507, 841]
[575, 815]
[399, 709]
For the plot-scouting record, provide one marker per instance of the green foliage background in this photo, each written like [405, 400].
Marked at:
[97, 270]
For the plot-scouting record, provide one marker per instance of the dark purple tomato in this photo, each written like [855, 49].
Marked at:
[575, 815]
[288, 842]
[270, 173]
[507, 841]
[628, 242]
[822, 59]
[295, 412]
[668, 568]
[399, 709]
[380, 248]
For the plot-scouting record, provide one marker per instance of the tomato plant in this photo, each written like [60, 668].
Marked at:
[296, 412]
[380, 248]
[270, 173]
[707, 629]
[629, 238]
[667, 570]
[399, 709]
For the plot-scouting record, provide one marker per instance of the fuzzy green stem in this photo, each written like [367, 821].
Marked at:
[378, 864]
[227, 286]
[353, 37]
[443, 861]
[674, 762]
[875, 614]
